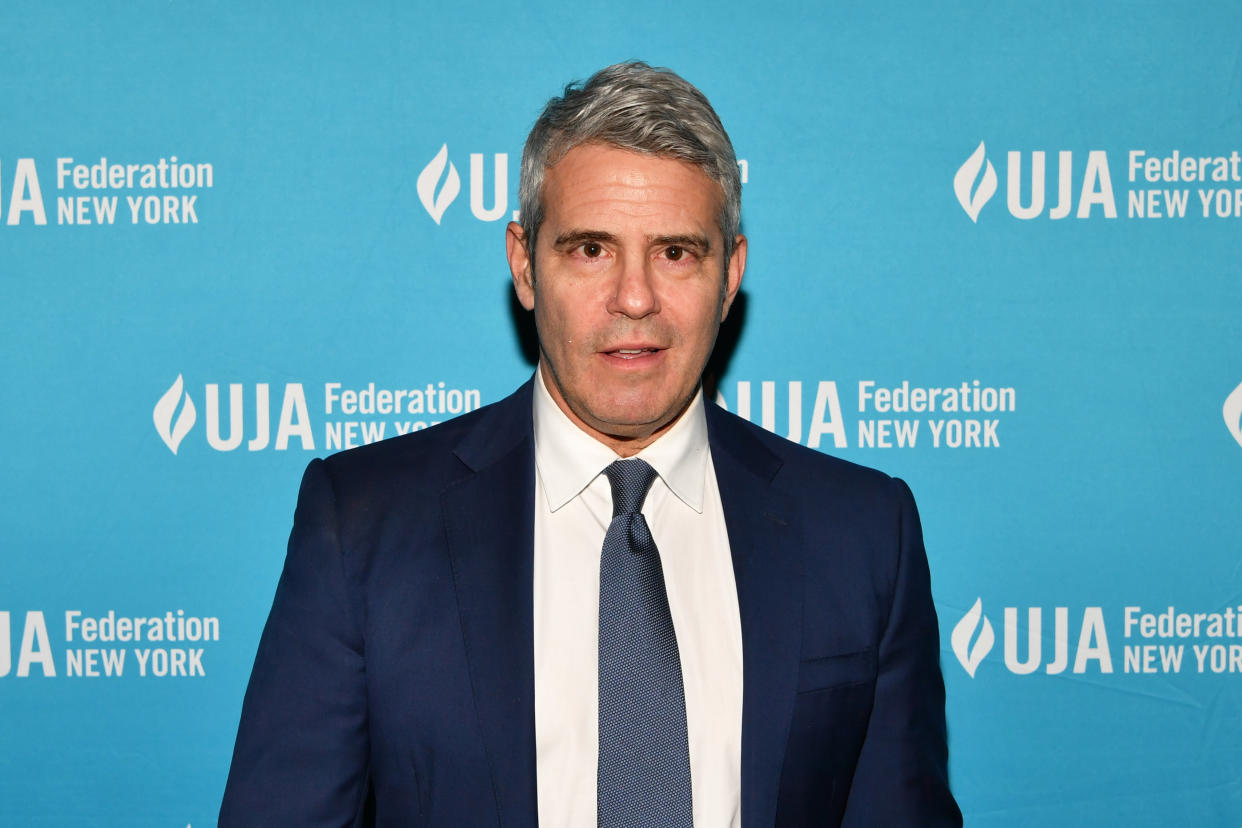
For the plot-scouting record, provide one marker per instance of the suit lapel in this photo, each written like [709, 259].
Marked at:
[489, 523]
[767, 562]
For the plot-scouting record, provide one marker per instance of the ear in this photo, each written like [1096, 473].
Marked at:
[733, 275]
[521, 264]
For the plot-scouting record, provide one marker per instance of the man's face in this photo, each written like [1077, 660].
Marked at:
[629, 287]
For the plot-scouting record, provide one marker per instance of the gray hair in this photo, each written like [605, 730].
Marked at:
[634, 107]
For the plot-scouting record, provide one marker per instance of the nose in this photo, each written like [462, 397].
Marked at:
[635, 290]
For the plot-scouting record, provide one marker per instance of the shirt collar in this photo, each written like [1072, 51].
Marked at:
[567, 459]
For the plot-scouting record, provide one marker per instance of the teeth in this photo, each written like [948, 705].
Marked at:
[631, 351]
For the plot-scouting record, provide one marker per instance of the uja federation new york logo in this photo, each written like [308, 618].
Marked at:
[175, 415]
[1159, 640]
[976, 181]
[1169, 184]
[973, 638]
[239, 414]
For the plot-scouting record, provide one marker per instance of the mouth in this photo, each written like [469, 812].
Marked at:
[632, 353]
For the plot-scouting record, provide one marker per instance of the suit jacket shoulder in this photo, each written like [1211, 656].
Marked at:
[817, 483]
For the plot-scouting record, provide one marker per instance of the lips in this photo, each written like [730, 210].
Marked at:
[633, 353]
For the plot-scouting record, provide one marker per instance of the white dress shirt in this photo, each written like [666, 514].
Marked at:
[573, 507]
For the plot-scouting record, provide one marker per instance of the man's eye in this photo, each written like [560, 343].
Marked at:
[675, 253]
[592, 250]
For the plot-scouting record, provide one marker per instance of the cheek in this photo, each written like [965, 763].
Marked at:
[560, 325]
[699, 320]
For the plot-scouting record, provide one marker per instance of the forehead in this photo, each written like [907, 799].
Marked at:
[599, 183]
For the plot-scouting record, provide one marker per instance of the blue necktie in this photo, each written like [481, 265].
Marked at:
[644, 757]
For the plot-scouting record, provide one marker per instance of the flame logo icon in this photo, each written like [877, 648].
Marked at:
[435, 204]
[173, 433]
[965, 179]
[1233, 413]
[971, 657]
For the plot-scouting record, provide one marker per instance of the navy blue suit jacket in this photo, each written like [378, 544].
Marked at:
[394, 682]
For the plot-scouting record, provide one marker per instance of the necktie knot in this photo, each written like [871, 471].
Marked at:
[630, 479]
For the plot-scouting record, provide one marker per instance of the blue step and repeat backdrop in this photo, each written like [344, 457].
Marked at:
[994, 250]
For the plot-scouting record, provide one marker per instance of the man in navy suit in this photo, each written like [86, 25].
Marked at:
[444, 644]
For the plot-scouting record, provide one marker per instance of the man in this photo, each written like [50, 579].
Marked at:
[495, 622]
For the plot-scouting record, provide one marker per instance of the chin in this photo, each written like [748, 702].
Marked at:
[634, 419]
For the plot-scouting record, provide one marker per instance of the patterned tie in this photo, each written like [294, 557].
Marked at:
[644, 757]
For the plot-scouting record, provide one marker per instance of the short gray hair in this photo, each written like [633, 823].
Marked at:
[639, 108]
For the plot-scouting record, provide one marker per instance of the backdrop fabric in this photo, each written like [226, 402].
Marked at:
[993, 250]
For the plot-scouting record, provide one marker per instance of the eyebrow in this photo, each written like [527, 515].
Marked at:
[576, 237]
[685, 240]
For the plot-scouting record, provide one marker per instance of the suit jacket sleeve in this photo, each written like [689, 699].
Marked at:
[901, 778]
[302, 747]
